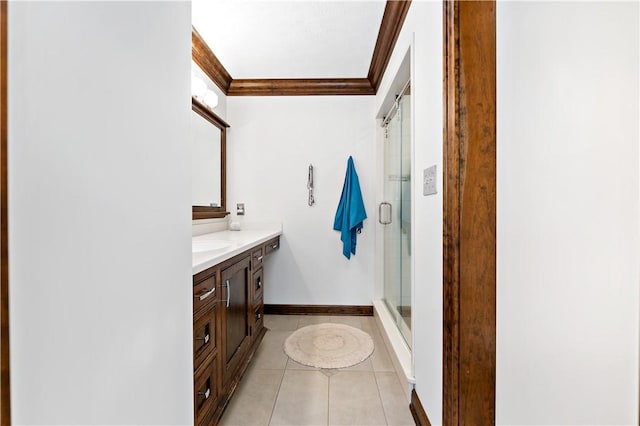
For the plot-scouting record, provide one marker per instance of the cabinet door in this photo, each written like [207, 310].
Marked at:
[236, 312]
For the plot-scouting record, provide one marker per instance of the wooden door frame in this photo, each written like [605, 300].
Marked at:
[5, 393]
[469, 234]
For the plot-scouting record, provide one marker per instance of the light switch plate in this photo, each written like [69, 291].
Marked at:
[429, 184]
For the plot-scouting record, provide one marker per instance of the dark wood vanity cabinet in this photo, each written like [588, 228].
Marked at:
[228, 326]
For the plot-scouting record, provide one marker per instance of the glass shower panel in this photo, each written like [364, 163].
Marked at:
[397, 234]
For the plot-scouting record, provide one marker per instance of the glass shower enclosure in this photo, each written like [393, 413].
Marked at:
[395, 213]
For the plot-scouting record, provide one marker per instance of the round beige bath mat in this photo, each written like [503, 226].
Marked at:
[329, 346]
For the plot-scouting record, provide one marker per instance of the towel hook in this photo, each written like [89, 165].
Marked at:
[311, 201]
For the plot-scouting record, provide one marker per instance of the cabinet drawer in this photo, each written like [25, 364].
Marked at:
[204, 294]
[258, 284]
[258, 319]
[271, 245]
[256, 258]
[205, 389]
[204, 336]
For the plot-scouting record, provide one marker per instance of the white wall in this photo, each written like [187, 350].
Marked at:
[568, 245]
[100, 266]
[270, 145]
[423, 27]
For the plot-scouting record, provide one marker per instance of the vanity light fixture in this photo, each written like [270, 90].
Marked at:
[201, 92]
[198, 87]
[210, 99]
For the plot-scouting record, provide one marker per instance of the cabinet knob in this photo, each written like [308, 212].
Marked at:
[206, 394]
[259, 258]
[205, 338]
[259, 283]
[258, 315]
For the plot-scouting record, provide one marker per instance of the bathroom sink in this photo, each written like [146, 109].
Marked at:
[209, 245]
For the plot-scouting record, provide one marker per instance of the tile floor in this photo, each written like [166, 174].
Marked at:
[278, 391]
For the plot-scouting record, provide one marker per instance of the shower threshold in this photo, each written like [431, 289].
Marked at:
[398, 348]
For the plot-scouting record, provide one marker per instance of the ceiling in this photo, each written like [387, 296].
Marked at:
[269, 39]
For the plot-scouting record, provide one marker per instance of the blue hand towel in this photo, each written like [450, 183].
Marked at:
[350, 213]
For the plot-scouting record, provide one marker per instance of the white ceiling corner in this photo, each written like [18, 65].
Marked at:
[290, 39]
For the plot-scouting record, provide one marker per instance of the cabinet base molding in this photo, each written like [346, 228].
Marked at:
[354, 310]
[417, 410]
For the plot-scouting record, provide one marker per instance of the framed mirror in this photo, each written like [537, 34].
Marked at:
[208, 151]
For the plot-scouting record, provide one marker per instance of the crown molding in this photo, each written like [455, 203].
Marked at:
[208, 62]
[300, 87]
[395, 13]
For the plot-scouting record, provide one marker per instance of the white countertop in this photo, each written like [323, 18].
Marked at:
[240, 241]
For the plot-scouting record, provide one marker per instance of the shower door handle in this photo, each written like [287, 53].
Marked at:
[384, 213]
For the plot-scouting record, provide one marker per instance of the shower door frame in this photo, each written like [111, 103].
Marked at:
[405, 145]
